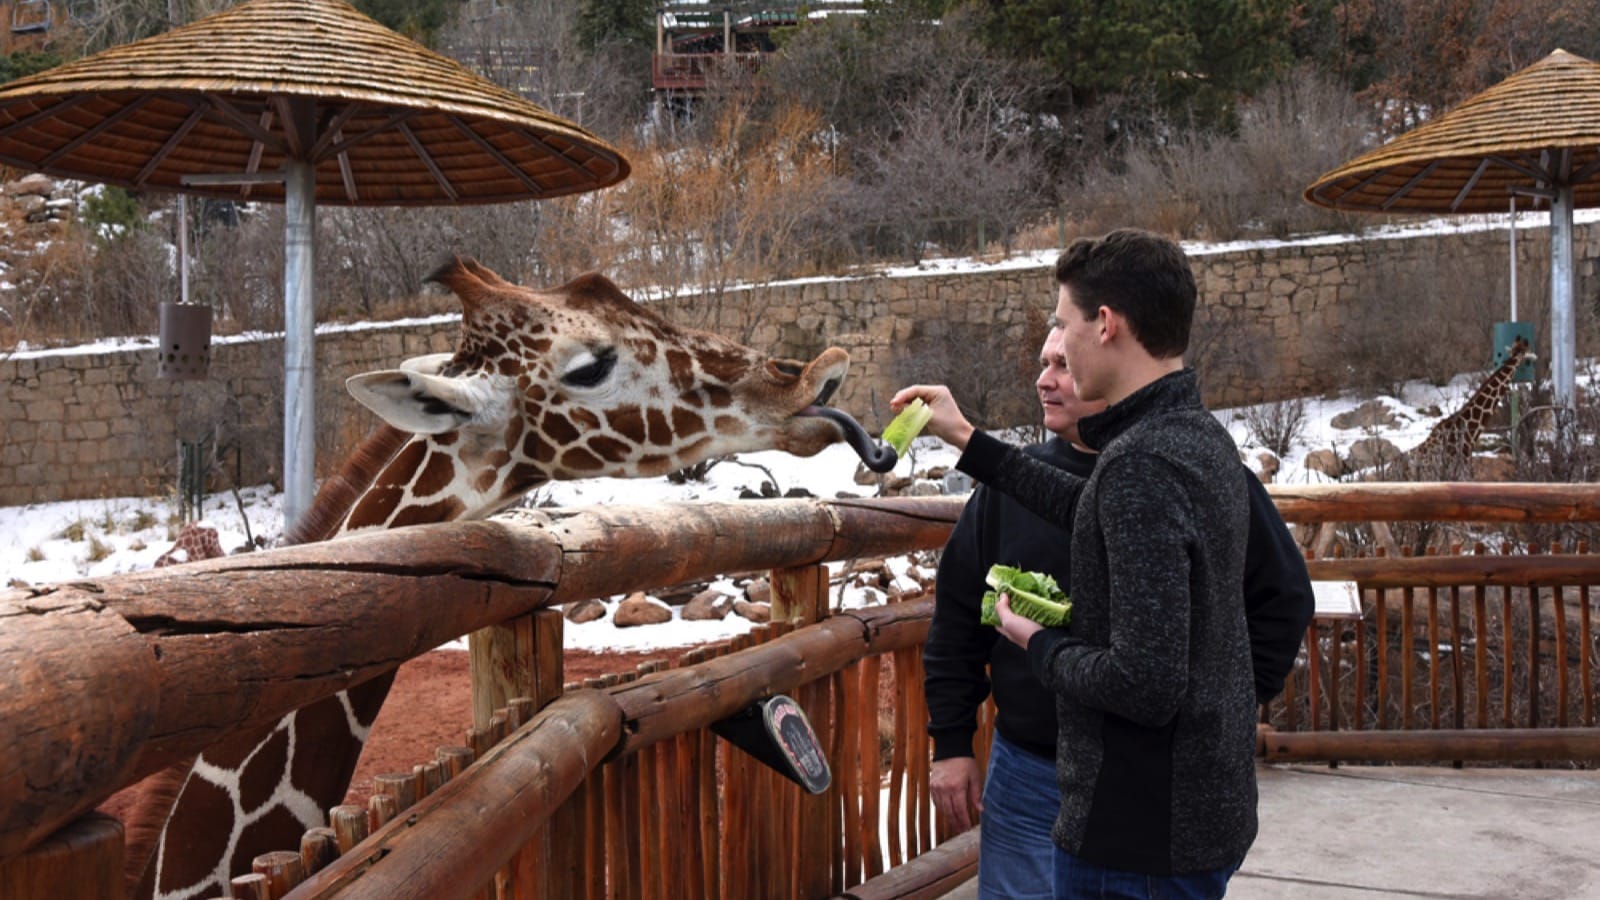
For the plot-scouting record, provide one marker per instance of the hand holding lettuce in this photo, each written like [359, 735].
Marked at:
[1034, 595]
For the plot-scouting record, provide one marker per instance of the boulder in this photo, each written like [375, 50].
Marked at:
[1269, 466]
[34, 185]
[1371, 414]
[1327, 462]
[1372, 451]
[585, 611]
[757, 590]
[759, 613]
[639, 609]
[707, 606]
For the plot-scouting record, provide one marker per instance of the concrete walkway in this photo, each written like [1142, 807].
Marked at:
[1371, 833]
[1374, 832]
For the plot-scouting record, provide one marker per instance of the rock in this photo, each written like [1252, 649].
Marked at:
[585, 611]
[34, 185]
[1493, 468]
[922, 488]
[758, 591]
[1371, 414]
[31, 206]
[707, 606]
[1372, 451]
[759, 613]
[865, 476]
[639, 609]
[1325, 461]
[1269, 466]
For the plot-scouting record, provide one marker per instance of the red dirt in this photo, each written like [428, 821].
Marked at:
[430, 706]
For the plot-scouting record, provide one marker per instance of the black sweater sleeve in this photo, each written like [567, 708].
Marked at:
[1278, 602]
[1044, 490]
[957, 651]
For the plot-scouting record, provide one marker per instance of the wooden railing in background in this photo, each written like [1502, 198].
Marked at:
[1456, 656]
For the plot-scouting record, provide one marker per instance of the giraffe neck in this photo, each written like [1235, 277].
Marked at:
[1458, 432]
[265, 789]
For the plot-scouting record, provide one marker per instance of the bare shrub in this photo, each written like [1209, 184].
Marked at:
[84, 287]
[928, 130]
[1276, 426]
[1222, 187]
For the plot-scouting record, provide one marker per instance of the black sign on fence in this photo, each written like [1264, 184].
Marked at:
[777, 732]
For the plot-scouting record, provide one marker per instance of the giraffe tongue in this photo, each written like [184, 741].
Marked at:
[877, 457]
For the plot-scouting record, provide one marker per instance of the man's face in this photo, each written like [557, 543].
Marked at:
[1057, 395]
[1080, 346]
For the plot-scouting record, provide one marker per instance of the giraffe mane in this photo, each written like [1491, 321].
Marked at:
[338, 494]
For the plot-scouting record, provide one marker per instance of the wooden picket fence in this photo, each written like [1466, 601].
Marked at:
[616, 787]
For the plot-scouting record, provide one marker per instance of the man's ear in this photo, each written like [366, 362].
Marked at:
[1110, 322]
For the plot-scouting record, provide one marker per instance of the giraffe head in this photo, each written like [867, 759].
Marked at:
[576, 382]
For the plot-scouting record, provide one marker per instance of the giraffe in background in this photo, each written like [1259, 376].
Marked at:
[1449, 446]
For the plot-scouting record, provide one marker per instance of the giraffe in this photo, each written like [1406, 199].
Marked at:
[574, 382]
[1449, 445]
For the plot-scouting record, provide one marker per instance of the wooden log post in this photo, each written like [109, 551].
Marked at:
[82, 859]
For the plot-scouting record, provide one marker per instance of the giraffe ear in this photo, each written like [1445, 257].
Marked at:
[420, 402]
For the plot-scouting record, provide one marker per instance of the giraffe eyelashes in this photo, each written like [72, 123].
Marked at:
[589, 369]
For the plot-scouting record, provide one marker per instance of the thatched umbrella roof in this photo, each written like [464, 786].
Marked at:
[207, 107]
[1511, 136]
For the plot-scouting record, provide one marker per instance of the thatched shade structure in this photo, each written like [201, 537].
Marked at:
[208, 107]
[301, 102]
[1535, 134]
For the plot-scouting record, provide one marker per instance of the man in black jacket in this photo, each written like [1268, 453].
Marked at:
[1152, 677]
[1019, 798]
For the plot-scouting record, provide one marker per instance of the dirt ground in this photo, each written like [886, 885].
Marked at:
[430, 706]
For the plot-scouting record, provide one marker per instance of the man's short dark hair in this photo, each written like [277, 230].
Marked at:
[1143, 276]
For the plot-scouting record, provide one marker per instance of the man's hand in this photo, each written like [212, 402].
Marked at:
[947, 424]
[1017, 629]
[957, 791]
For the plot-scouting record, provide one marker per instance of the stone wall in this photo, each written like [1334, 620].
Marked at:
[1276, 321]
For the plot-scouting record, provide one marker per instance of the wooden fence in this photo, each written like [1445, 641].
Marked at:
[618, 789]
[1457, 655]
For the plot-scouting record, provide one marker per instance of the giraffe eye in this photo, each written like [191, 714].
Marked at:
[589, 369]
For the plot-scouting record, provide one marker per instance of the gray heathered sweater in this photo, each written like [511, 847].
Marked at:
[1152, 676]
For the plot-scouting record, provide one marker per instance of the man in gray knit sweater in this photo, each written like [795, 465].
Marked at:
[1152, 676]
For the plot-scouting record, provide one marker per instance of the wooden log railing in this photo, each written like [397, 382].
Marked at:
[143, 669]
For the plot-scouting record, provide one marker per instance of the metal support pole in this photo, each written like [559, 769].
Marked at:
[1563, 321]
[299, 336]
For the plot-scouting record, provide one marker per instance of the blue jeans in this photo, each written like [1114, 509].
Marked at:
[1079, 880]
[1016, 859]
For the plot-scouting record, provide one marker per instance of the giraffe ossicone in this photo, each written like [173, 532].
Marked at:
[573, 382]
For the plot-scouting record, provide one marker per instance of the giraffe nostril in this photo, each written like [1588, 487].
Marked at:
[788, 367]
